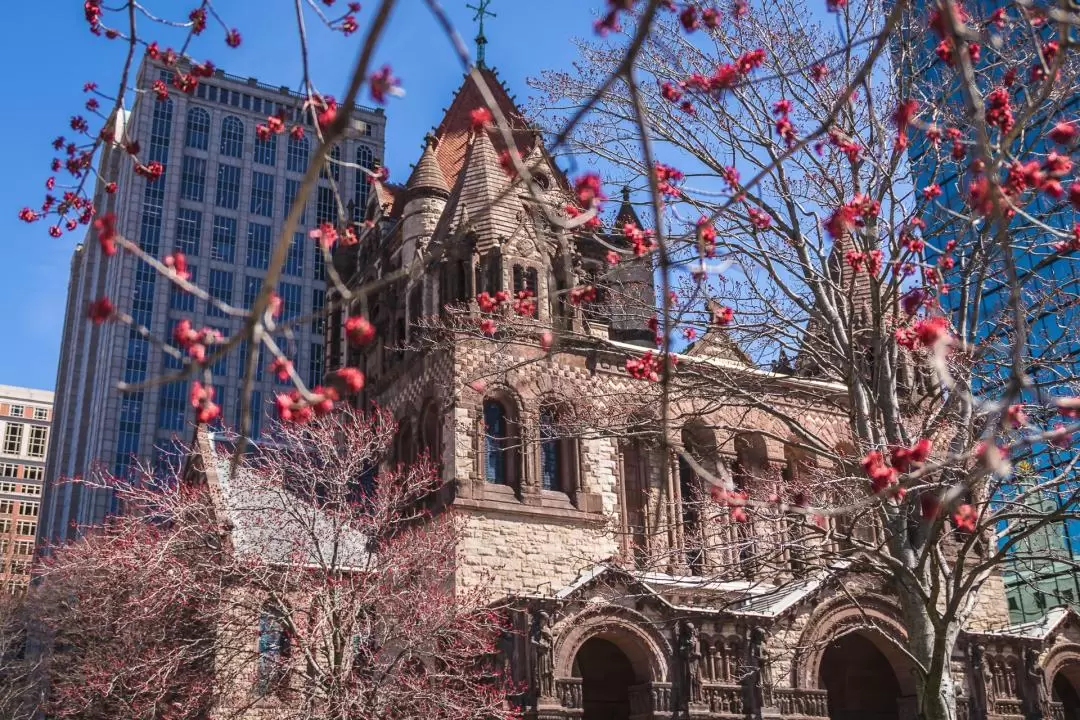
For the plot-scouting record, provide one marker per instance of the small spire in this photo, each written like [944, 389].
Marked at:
[481, 39]
[626, 193]
[427, 176]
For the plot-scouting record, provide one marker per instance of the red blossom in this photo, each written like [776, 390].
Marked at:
[177, 262]
[667, 177]
[281, 367]
[588, 190]
[198, 20]
[480, 118]
[359, 331]
[349, 25]
[647, 367]
[202, 399]
[100, 310]
[326, 235]
[352, 378]
[151, 171]
[488, 326]
[28, 215]
[965, 518]
[383, 83]
[1064, 133]
[232, 38]
[759, 218]
[105, 226]
[581, 294]
[882, 476]
[723, 315]
[689, 18]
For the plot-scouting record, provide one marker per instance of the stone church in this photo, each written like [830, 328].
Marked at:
[629, 602]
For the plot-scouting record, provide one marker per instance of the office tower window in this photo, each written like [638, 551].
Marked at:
[188, 230]
[258, 246]
[232, 137]
[252, 285]
[192, 178]
[318, 303]
[296, 156]
[266, 150]
[290, 294]
[197, 133]
[180, 299]
[292, 189]
[228, 187]
[325, 206]
[262, 194]
[294, 262]
[160, 130]
[365, 158]
[223, 242]
[315, 365]
[220, 287]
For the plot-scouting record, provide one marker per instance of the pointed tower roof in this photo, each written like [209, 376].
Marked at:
[455, 129]
[427, 177]
[626, 213]
[483, 198]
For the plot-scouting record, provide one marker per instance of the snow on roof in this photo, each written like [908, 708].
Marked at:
[758, 599]
[1035, 629]
[275, 524]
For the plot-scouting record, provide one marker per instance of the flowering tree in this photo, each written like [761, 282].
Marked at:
[17, 667]
[882, 209]
[304, 585]
[883, 196]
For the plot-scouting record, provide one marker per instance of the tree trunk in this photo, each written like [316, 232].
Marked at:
[933, 648]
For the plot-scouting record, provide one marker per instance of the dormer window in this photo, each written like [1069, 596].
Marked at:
[542, 180]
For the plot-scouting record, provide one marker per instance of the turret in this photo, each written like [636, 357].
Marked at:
[425, 198]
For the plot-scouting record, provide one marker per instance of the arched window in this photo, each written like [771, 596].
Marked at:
[404, 448]
[698, 442]
[526, 279]
[495, 443]
[500, 449]
[365, 158]
[558, 455]
[296, 155]
[635, 467]
[198, 129]
[273, 650]
[751, 458]
[431, 431]
[332, 165]
[232, 137]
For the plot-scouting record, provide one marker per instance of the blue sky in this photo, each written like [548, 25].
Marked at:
[51, 53]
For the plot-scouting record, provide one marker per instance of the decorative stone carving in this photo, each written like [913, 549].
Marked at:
[688, 646]
[1031, 684]
[757, 676]
[542, 641]
[981, 682]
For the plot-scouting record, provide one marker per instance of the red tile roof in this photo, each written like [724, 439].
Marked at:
[453, 132]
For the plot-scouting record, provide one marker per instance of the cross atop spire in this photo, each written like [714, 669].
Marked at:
[481, 40]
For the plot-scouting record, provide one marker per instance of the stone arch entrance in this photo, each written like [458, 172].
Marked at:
[1065, 691]
[606, 678]
[860, 680]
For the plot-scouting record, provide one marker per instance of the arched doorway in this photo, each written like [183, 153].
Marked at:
[1064, 691]
[860, 680]
[606, 677]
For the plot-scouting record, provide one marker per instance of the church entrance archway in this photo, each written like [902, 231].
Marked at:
[1065, 690]
[606, 677]
[860, 680]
